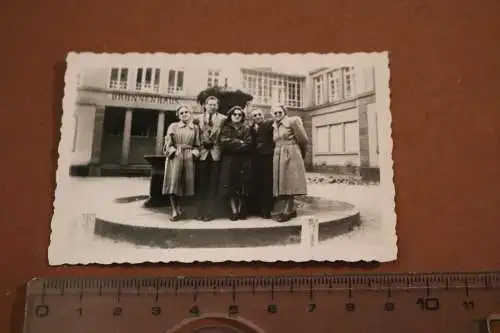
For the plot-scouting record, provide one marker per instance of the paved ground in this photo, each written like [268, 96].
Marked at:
[74, 240]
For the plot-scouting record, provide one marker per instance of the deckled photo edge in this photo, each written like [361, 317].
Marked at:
[76, 61]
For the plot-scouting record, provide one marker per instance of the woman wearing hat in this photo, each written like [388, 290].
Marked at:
[289, 173]
[236, 144]
[182, 143]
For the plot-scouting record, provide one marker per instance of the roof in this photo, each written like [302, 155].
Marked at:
[319, 69]
[270, 70]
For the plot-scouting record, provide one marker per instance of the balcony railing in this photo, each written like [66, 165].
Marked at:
[144, 87]
[175, 90]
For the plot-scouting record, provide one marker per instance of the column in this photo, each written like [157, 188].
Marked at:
[274, 95]
[372, 135]
[75, 133]
[360, 80]
[308, 92]
[308, 126]
[127, 128]
[364, 142]
[97, 135]
[160, 132]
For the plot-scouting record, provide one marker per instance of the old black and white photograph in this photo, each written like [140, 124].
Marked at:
[224, 157]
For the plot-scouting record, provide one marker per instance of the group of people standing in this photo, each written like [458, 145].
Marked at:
[249, 164]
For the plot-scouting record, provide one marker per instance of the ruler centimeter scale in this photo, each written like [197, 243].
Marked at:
[432, 302]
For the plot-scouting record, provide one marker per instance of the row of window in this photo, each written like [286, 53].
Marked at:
[146, 79]
[334, 86]
[267, 88]
[215, 80]
[341, 138]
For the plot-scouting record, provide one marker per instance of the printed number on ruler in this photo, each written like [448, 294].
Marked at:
[424, 304]
[427, 303]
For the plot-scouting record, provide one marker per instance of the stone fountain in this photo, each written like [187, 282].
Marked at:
[144, 219]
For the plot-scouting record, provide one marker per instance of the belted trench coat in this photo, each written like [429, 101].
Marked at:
[289, 173]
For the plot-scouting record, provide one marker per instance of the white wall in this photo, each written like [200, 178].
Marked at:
[95, 77]
[320, 143]
[333, 117]
[195, 80]
[84, 122]
[336, 160]
[363, 79]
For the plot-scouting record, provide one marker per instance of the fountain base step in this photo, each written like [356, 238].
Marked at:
[131, 220]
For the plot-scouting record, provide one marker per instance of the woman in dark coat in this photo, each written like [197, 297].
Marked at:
[236, 177]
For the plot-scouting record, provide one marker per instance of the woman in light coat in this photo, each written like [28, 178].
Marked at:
[289, 173]
[182, 143]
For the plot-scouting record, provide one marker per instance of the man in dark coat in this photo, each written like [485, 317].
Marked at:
[262, 165]
[209, 161]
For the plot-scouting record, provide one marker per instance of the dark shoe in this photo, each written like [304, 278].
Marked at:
[175, 218]
[207, 218]
[285, 217]
[234, 217]
[242, 216]
[266, 216]
[282, 218]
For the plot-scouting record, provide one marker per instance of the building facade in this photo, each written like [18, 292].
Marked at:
[122, 113]
[343, 122]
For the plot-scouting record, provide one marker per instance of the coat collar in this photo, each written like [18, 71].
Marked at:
[183, 124]
[285, 122]
[265, 124]
[237, 126]
[215, 115]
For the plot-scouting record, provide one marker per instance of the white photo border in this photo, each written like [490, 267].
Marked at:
[59, 249]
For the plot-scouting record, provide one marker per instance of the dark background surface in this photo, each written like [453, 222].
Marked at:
[445, 88]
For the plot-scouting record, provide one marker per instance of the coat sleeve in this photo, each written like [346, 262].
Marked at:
[197, 134]
[227, 140]
[299, 131]
[247, 140]
[168, 145]
[300, 134]
[198, 121]
[196, 142]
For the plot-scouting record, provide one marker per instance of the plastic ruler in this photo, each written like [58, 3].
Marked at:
[430, 302]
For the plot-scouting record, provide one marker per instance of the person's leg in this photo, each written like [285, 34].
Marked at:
[258, 182]
[173, 206]
[242, 207]
[211, 202]
[289, 211]
[234, 208]
[283, 216]
[267, 186]
[204, 183]
[180, 211]
[290, 206]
